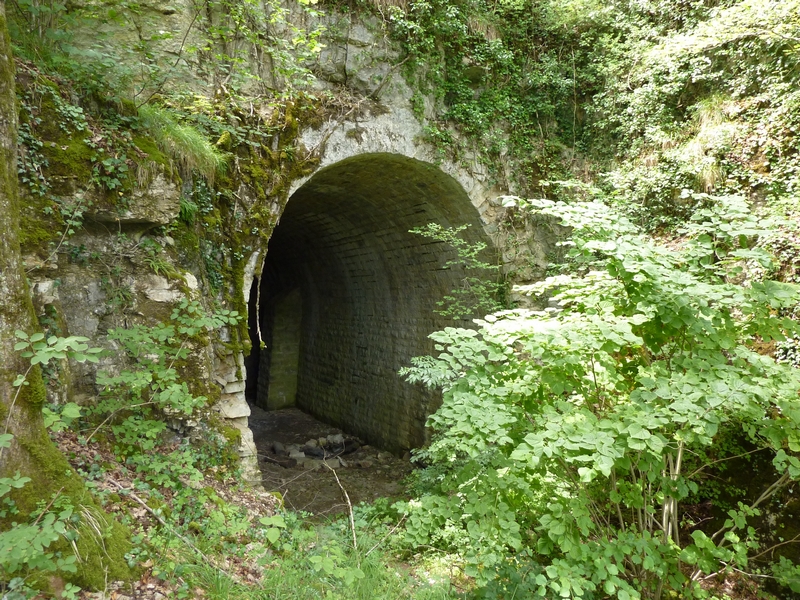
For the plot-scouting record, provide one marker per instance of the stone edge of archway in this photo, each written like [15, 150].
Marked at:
[231, 375]
[398, 132]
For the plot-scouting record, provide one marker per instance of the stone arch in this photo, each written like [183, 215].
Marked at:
[366, 290]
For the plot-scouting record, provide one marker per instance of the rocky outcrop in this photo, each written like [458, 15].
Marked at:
[128, 265]
[156, 205]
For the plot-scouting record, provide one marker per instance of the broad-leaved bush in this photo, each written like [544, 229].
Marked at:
[568, 438]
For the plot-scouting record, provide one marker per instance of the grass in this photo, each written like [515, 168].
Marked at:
[182, 143]
[291, 573]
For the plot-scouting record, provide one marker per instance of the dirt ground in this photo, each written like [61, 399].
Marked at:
[307, 485]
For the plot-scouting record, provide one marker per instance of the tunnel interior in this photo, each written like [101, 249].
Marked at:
[347, 295]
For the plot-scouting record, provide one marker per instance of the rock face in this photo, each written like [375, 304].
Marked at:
[159, 289]
[347, 293]
[157, 204]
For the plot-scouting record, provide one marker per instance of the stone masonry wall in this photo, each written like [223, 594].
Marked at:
[285, 351]
[369, 289]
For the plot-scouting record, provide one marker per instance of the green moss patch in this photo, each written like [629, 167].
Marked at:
[40, 224]
[149, 147]
[69, 162]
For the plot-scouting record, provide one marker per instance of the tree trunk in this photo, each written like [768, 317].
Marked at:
[101, 550]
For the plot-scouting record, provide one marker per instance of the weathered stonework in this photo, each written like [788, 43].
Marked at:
[280, 387]
[157, 204]
[228, 373]
[368, 287]
[361, 289]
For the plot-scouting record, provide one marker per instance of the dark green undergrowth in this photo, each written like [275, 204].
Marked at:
[312, 561]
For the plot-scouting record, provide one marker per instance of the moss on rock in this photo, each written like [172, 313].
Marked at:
[40, 224]
[153, 153]
[102, 542]
[69, 162]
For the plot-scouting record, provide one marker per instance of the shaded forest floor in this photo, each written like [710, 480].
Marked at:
[307, 485]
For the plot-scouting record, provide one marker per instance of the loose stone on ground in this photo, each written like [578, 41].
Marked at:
[297, 454]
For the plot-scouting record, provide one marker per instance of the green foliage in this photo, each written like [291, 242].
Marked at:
[155, 259]
[53, 35]
[132, 413]
[319, 561]
[50, 124]
[564, 435]
[31, 162]
[704, 102]
[477, 58]
[183, 143]
[24, 547]
[110, 173]
[81, 43]
[119, 295]
[61, 417]
[478, 294]
[137, 401]
[267, 27]
[213, 262]
[296, 557]
[569, 439]
[188, 210]
[41, 350]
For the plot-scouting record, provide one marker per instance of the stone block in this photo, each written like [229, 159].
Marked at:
[158, 204]
[46, 292]
[312, 464]
[191, 281]
[159, 289]
[233, 406]
[234, 387]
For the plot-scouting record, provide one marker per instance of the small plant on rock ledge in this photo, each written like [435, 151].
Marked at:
[110, 173]
[155, 259]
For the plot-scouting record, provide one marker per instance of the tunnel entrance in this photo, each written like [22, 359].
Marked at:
[347, 294]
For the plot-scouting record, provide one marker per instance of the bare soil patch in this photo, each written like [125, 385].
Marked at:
[305, 483]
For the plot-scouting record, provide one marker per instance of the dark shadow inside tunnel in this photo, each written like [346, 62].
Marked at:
[347, 295]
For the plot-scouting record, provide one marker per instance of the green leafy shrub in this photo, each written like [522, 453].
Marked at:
[564, 435]
[136, 401]
[25, 545]
[704, 100]
[474, 58]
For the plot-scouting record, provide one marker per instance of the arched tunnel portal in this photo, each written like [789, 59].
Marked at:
[347, 295]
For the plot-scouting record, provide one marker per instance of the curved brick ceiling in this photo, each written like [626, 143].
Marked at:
[347, 294]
